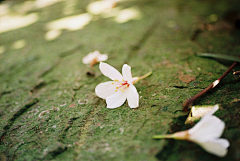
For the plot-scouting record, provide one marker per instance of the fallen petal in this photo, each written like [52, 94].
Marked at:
[207, 128]
[126, 71]
[116, 99]
[133, 97]
[217, 147]
[102, 57]
[103, 90]
[110, 71]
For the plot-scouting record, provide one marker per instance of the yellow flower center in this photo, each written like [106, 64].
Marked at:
[121, 85]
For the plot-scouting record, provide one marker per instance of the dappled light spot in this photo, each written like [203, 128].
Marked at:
[52, 34]
[19, 44]
[2, 49]
[16, 22]
[171, 24]
[99, 7]
[45, 3]
[69, 7]
[213, 18]
[71, 23]
[25, 7]
[4, 9]
[113, 13]
[128, 14]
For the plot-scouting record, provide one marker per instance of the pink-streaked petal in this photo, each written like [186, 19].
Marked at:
[110, 71]
[132, 97]
[207, 128]
[116, 99]
[102, 57]
[126, 71]
[217, 147]
[103, 90]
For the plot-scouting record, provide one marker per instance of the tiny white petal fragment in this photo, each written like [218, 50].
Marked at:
[215, 83]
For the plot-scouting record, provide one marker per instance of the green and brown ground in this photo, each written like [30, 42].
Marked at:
[48, 107]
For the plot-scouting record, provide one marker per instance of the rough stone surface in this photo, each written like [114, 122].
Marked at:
[48, 107]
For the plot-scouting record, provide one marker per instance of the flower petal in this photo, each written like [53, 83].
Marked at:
[103, 90]
[207, 128]
[102, 57]
[212, 111]
[133, 97]
[126, 71]
[88, 59]
[110, 71]
[116, 99]
[217, 147]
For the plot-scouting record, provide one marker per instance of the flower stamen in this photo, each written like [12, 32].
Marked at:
[122, 85]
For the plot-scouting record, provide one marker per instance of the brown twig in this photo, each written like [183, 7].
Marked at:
[215, 83]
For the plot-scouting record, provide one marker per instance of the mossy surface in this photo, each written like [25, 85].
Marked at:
[48, 107]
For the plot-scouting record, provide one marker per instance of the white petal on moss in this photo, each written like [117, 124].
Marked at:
[133, 97]
[126, 71]
[207, 128]
[217, 147]
[116, 99]
[102, 57]
[103, 90]
[212, 111]
[110, 71]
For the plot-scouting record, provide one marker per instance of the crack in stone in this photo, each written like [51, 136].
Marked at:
[60, 56]
[143, 39]
[70, 52]
[15, 116]
[48, 69]
[87, 122]
[38, 86]
[62, 136]
[4, 93]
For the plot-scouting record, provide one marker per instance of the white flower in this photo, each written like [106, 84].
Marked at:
[121, 88]
[205, 133]
[94, 57]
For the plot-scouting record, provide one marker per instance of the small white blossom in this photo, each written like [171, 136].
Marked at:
[205, 133]
[121, 88]
[94, 57]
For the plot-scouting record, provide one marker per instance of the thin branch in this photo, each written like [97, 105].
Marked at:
[215, 83]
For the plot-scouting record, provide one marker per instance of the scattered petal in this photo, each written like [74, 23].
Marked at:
[210, 125]
[217, 147]
[103, 90]
[133, 97]
[121, 88]
[205, 133]
[116, 99]
[126, 71]
[110, 71]
[94, 57]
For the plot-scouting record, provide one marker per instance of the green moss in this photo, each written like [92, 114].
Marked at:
[69, 122]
